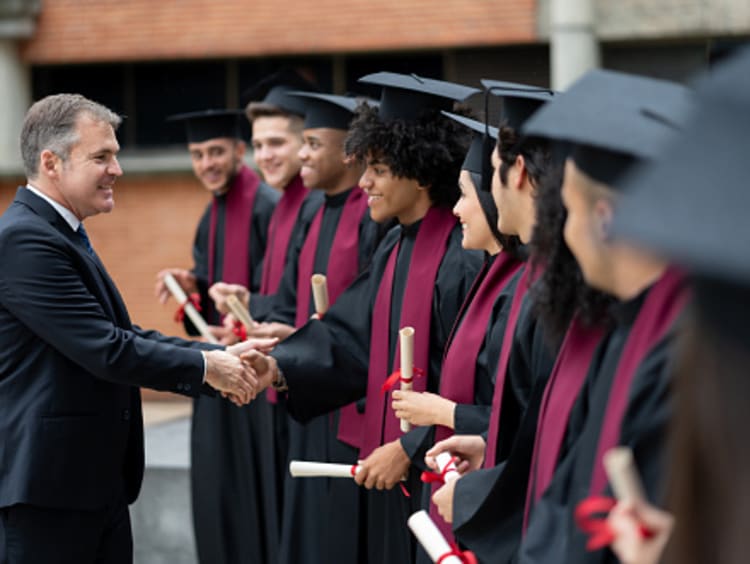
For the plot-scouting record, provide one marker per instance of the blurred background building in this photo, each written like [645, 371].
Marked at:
[147, 59]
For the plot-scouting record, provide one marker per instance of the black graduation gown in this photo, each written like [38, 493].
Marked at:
[488, 504]
[235, 500]
[326, 364]
[310, 529]
[552, 534]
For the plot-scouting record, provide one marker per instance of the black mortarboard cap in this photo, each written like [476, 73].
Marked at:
[211, 124]
[406, 96]
[611, 120]
[692, 205]
[274, 90]
[519, 101]
[327, 110]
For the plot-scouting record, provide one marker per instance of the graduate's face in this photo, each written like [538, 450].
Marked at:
[216, 162]
[84, 182]
[468, 210]
[323, 160]
[275, 148]
[586, 228]
[391, 196]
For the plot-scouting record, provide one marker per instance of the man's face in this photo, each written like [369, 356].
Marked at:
[216, 162]
[322, 157]
[503, 197]
[275, 148]
[85, 181]
[585, 232]
[389, 196]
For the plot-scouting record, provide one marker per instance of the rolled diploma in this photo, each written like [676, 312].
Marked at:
[320, 293]
[303, 469]
[406, 339]
[182, 299]
[445, 459]
[623, 475]
[430, 537]
[239, 311]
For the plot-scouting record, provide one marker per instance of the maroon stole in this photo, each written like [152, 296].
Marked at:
[568, 375]
[664, 302]
[527, 278]
[280, 229]
[240, 201]
[381, 425]
[458, 373]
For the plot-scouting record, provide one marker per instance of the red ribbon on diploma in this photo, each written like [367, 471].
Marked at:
[433, 477]
[466, 556]
[194, 299]
[396, 377]
[591, 518]
[240, 330]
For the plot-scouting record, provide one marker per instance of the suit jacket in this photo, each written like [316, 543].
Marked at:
[71, 362]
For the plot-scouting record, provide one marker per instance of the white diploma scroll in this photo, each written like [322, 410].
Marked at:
[303, 469]
[182, 299]
[406, 339]
[447, 467]
[623, 475]
[320, 293]
[431, 539]
[239, 312]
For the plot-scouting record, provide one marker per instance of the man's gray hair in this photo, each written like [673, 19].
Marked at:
[51, 124]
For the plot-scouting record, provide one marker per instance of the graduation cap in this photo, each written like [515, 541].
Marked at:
[274, 90]
[519, 101]
[692, 204]
[406, 96]
[326, 110]
[611, 119]
[474, 163]
[211, 124]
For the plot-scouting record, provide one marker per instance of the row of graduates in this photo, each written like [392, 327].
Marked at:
[539, 353]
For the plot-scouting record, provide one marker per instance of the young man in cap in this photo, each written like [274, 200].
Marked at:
[232, 485]
[419, 277]
[623, 401]
[335, 237]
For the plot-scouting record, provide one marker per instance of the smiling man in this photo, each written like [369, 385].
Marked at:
[229, 447]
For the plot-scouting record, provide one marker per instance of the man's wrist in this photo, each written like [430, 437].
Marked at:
[279, 381]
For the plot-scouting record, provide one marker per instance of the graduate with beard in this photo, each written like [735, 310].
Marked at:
[230, 447]
[625, 398]
[419, 277]
[335, 237]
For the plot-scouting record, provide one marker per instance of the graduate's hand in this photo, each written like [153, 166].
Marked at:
[273, 330]
[631, 547]
[264, 367]
[183, 277]
[262, 345]
[469, 449]
[227, 373]
[443, 500]
[423, 408]
[220, 291]
[384, 468]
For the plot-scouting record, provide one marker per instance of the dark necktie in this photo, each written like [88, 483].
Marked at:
[86, 241]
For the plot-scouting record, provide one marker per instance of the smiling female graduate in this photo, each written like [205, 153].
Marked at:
[419, 277]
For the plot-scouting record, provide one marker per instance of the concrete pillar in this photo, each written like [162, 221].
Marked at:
[15, 93]
[573, 45]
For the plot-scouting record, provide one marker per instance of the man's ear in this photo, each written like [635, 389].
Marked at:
[49, 164]
[603, 214]
[240, 147]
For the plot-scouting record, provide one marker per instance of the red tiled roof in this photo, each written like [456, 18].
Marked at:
[116, 30]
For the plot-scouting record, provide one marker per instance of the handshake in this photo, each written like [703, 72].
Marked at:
[242, 371]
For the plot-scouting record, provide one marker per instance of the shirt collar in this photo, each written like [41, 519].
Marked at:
[66, 214]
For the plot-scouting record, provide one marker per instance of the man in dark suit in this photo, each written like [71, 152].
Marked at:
[71, 362]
